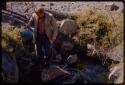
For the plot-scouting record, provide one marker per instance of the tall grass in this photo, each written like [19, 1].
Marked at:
[11, 41]
[102, 29]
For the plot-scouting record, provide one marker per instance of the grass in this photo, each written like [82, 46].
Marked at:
[11, 41]
[105, 31]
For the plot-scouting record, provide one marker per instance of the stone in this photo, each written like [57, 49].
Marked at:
[58, 23]
[58, 58]
[116, 53]
[51, 4]
[72, 59]
[43, 5]
[67, 46]
[94, 73]
[112, 7]
[68, 26]
[117, 72]
[52, 73]
[72, 78]
[91, 50]
[57, 72]
[10, 69]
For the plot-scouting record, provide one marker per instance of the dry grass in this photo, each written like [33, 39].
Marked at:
[11, 40]
[105, 30]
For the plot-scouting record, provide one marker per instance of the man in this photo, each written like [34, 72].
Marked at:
[44, 31]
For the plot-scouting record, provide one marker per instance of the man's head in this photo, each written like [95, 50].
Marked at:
[39, 10]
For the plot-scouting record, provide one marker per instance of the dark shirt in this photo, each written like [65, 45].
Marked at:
[41, 25]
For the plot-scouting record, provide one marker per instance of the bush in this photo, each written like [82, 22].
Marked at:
[105, 29]
[11, 40]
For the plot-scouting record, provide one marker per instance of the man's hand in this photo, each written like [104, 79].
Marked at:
[52, 40]
[28, 25]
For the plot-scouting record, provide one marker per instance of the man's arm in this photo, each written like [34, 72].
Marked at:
[29, 25]
[55, 28]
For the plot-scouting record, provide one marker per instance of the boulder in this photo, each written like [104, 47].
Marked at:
[9, 69]
[116, 53]
[68, 26]
[112, 7]
[58, 23]
[58, 58]
[117, 72]
[91, 50]
[94, 73]
[52, 73]
[66, 45]
[51, 4]
[72, 78]
[72, 59]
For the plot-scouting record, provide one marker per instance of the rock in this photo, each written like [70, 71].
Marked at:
[122, 10]
[10, 69]
[52, 73]
[6, 27]
[91, 50]
[72, 78]
[66, 45]
[42, 4]
[68, 26]
[58, 23]
[94, 73]
[58, 15]
[58, 58]
[112, 7]
[51, 4]
[116, 53]
[56, 72]
[117, 72]
[72, 59]
[44, 75]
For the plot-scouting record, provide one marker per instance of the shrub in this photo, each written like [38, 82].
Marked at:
[105, 29]
[11, 40]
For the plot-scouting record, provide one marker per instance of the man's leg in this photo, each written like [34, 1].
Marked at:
[46, 45]
[39, 44]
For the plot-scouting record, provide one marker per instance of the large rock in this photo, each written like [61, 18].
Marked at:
[91, 49]
[116, 53]
[94, 73]
[58, 58]
[72, 59]
[72, 78]
[68, 26]
[52, 73]
[67, 46]
[117, 72]
[112, 7]
[9, 69]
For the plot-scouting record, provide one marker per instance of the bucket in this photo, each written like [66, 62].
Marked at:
[27, 35]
